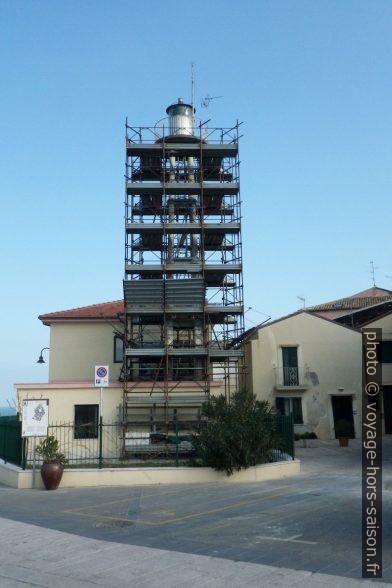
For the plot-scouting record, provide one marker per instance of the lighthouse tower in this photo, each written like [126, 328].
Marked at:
[183, 288]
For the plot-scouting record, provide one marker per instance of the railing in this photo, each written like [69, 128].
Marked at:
[108, 445]
[291, 376]
[146, 344]
[285, 428]
[88, 445]
[152, 134]
[104, 445]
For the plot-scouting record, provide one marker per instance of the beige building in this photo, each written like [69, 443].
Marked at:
[310, 363]
[81, 339]
[371, 308]
[308, 366]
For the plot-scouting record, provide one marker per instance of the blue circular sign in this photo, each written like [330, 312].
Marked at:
[102, 372]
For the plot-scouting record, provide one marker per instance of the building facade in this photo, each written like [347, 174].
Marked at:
[310, 363]
[308, 366]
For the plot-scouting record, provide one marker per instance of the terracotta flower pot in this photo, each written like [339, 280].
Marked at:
[51, 474]
[343, 441]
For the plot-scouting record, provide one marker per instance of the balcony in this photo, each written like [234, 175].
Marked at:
[291, 378]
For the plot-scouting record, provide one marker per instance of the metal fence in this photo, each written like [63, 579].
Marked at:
[11, 442]
[285, 429]
[88, 445]
[106, 445]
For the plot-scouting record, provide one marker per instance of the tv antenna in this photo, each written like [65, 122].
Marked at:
[302, 299]
[206, 101]
[373, 272]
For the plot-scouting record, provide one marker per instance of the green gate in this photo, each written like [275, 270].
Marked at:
[285, 428]
[11, 442]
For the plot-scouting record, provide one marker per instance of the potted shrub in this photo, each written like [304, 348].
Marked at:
[53, 462]
[306, 438]
[343, 430]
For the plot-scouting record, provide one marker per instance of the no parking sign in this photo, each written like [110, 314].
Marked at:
[101, 378]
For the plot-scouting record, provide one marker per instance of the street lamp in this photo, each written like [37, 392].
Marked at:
[41, 359]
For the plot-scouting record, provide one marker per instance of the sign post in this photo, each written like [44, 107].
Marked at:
[101, 380]
[35, 422]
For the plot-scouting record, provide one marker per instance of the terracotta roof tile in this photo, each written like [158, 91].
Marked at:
[105, 310]
[368, 297]
[351, 303]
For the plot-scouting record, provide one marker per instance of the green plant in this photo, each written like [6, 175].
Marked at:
[344, 428]
[307, 435]
[48, 449]
[236, 435]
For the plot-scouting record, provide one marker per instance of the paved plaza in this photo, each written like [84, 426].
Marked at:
[304, 530]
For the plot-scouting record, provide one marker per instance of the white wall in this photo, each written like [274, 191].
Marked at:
[329, 357]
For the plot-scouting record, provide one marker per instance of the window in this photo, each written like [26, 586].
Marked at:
[183, 337]
[86, 421]
[118, 354]
[292, 406]
[384, 352]
[290, 366]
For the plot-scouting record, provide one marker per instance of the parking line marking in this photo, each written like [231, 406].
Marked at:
[292, 539]
[184, 517]
[106, 517]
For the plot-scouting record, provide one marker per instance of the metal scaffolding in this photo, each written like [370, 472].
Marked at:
[183, 287]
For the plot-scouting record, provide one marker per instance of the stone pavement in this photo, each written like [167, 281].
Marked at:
[34, 556]
[210, 535]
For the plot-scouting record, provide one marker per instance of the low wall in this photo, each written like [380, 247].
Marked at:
[13, 476]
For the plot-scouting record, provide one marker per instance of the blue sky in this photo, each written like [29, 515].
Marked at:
[310, 79]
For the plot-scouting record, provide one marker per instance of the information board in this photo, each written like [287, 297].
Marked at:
[35, 418]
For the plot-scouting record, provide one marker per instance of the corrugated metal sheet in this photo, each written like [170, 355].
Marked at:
[143, 291]
[185, 292]
[188, 292]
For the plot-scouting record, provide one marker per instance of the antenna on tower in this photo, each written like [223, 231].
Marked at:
[206, 101]
[193, 86]
[373, 272]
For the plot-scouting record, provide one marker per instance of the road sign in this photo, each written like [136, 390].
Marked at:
[35, 418]
[101, 377]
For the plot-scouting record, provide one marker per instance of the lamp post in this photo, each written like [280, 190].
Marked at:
[41, 359]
